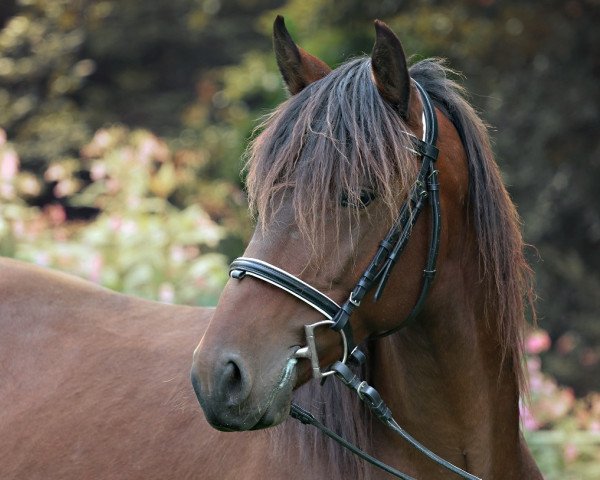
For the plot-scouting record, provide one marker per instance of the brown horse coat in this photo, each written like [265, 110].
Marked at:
[95, 385]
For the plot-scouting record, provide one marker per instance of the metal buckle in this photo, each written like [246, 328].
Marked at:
[310, 351]
[354, 302]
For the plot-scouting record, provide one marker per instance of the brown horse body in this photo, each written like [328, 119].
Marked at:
[95, 385]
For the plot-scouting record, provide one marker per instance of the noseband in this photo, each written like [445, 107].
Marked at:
[426, 187]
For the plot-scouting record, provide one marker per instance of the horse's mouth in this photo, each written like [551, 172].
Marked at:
[271, 412]
[277, 406]
[270, 418]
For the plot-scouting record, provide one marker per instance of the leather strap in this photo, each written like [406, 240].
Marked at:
[374, 402]
[308, 419]
[279, 278]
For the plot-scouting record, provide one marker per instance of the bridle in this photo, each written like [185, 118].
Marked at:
[337, 317]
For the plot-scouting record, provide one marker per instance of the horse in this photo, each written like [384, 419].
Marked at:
[95, 384]
[337, 177]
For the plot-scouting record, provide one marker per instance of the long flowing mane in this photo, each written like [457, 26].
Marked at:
[505, 271]
[328, 143]
[337, 137]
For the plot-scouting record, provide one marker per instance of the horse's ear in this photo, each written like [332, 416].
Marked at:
[298, 67]
[389, 68]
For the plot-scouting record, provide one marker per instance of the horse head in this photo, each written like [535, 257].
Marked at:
[327, 178]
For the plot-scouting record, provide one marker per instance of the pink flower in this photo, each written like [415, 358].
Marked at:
[536, 382]
[65, 187]
[534, 365]
[95, 268]
[129, 228]
[19, 229]
[113, 186]
[9, 165]
[152, 148]
[537, 342]
[96, 148]
[529, 422]
[146, 149]
[115, 222]
[570, 452]
[177, 254]
[42, 259]
[102, 138]
[166, 293]
[55, 172]
[98, 171]
[7, 190]
[56, 213]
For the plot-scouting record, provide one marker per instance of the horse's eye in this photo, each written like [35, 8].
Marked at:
[366, 197]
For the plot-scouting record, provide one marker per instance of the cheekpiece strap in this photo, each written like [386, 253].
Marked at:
[425, 149]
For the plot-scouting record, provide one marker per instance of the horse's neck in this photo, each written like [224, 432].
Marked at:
[446, 384]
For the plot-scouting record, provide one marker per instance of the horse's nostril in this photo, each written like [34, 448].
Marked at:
[234, 384]
[233, 374]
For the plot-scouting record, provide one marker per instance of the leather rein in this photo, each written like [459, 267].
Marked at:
[337, 317]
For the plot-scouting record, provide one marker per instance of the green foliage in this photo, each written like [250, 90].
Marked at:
[40, 72]
[562, 431]
[67, 68]
[139, 243]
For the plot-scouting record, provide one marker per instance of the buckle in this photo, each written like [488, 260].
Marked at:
[353, 301]
[310, 351]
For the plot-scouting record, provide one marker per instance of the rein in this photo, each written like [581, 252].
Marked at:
[425, 188]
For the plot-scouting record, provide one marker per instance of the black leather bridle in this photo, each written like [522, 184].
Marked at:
[425, 189]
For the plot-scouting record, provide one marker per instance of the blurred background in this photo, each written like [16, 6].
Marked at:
[122, 125]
